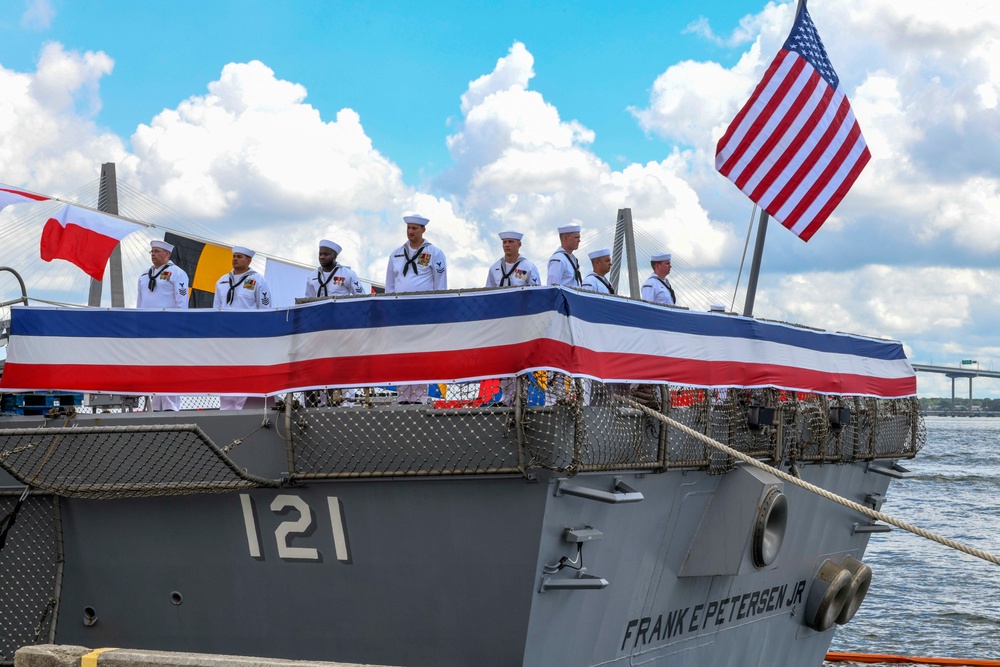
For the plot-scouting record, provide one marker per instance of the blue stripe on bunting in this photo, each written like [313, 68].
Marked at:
[600, 310]
[354, 313]
[385, 311]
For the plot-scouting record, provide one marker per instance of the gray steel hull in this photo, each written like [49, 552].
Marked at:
[451, 570]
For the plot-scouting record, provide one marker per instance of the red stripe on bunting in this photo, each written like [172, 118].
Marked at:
[420, 367]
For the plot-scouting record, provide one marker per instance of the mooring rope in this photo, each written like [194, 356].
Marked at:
[867, 511]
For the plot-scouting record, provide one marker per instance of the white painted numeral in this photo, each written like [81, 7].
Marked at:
[339, 535]
[250, 522]
[299, 527]
[293, 528]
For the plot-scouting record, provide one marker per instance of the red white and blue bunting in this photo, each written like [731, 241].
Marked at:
[435, 338]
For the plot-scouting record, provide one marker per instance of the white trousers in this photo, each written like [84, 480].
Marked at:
[411, 393]
[232, 402]
[163, 403]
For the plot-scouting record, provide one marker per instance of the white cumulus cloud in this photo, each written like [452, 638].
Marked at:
[48, 139]
[38, 14]
[519, 164]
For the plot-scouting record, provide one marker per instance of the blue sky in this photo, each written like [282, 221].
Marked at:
[401, 65]
[274, 124]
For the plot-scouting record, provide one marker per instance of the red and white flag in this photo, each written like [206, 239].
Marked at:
[84, 237]
[9, 195]
[795, 148]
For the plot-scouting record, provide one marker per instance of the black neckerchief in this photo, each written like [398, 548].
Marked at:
[669, 289]
[505, 275]
[411, 261]
[322, 290]
[611, 290]
[152, 278]
[232, 287]
[576, 267]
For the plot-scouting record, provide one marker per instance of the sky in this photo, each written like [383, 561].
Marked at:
[273, 125]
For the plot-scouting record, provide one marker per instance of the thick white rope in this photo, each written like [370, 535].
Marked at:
[867, 511]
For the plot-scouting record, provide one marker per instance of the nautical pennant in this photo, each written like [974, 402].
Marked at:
[10, 196]
[84, 237]
[204, 263]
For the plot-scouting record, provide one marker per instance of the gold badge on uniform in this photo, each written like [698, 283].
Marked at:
[250, 284]
[425, 259]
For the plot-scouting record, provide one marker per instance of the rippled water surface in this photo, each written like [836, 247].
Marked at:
[927, 599]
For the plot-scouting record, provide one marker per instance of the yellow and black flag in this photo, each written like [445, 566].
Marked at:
[204, 263]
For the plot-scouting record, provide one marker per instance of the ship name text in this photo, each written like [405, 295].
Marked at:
[693, 619]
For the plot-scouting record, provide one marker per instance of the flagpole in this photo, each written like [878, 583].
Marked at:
[758, 248]
[758, 252]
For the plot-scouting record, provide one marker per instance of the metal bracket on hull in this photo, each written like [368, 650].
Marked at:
[894, 471]
[874, 500]
[582, 582]
[620, 492]
[871, 528]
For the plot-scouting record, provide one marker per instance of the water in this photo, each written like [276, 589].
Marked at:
[927, 599]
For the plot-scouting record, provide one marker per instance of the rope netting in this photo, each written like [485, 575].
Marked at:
[29, 572]
[102, 462]
[541, 420]
[546, 420]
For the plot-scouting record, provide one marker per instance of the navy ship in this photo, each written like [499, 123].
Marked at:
[593, 480]
[564, 497]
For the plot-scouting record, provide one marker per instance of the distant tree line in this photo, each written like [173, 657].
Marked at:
[937, 404]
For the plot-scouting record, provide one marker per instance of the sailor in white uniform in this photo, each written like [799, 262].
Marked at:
[415, 266]
[596, 280]
[657, 288]
[512, 270]
[163, 285]
[332, 279]
[564, 268]
[241, 289]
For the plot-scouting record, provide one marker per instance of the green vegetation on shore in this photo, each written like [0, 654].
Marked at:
[979, 405]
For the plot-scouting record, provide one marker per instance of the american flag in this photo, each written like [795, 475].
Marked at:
[795, 148]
